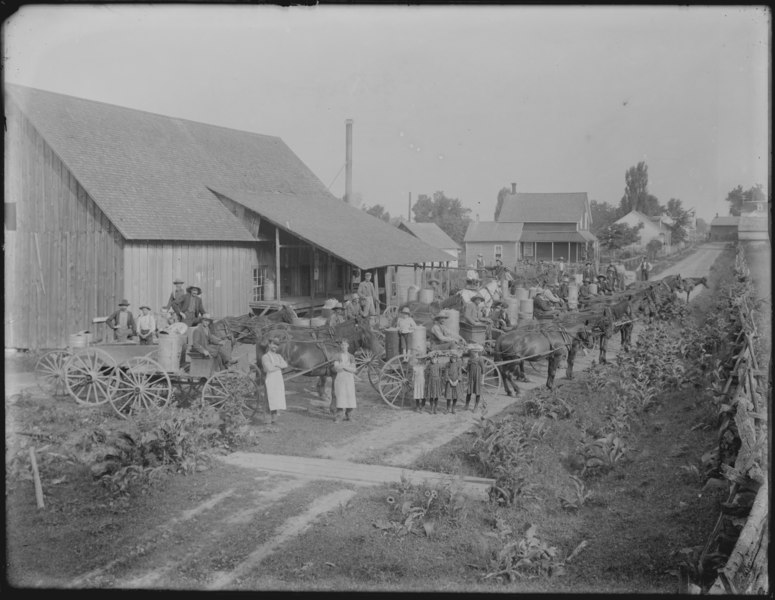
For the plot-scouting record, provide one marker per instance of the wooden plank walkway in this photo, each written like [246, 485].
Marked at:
[361, 474]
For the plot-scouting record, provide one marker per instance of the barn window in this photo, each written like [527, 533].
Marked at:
[259, 274]
[498, 251]
[527, 250]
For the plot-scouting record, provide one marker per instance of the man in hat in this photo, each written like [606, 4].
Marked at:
[367, 290]
[472, 313]
[146, 325]
[176, 297]
[122, 322]
[337, 315]
[441, 336]
[611, 275]
[191, 306]
[500, 317]
[603, 285]
[405, 325]
[351, 307]
[208, 344]
[585, 294]
[589, 272]
[563, 289]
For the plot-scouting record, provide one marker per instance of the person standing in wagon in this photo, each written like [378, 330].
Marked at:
[176, 298]
[344, 383]
[122, 322]
[273, 365]
[367, 290]
[191, 306]
[405, 325]
[452, 377]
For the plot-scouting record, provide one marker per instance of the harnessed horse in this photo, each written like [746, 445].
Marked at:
[313, 351]
[689, 283]
[550, 342]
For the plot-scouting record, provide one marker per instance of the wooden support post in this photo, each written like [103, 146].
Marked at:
[278, 281]
[36, 478]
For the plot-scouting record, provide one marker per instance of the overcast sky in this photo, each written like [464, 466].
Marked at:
[461, 99]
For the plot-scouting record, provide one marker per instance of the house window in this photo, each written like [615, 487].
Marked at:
[527, 250]
[259, 274]
[498, 251]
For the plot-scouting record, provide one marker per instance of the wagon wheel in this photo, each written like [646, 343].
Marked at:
[50, 372]
[396, 381]
[141, 384]
[366, 360]
[233, 390]
[491, 377]
[90, 376]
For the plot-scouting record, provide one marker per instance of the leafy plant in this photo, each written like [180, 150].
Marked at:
[522, 557]
[580, 495]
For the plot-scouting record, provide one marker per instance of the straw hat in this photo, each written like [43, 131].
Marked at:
[405, 310]
[206, 317]
[194, 287]
[142, 306]
[124, 302]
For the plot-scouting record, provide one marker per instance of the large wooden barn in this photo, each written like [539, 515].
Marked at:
[104, 202]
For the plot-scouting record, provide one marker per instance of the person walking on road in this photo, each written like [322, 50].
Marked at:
[645, 269]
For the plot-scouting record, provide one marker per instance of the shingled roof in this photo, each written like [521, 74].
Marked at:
[431, 234]
[543, 208]
[346, 232]
[491, 231]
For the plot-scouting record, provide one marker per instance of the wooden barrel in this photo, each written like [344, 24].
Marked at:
[521, 293]
[573, 296]
[593, 288]
[412, 293]
[77, 341]
[526, 307]
[391, 342]
[417, 342]
[170, 349]
[512, 307]
[426, 295]
[268, 290]
[532, 292]
[453, 321]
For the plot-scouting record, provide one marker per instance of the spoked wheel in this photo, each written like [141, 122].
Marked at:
[188, 390]
[90, 376]
[141, 385]
[50, 372]
[231, 390]
[491, 377]
[396, 382]
[389, 315]
[365, 360]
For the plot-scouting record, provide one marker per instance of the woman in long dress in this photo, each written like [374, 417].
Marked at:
[344, 383]
[273, 365]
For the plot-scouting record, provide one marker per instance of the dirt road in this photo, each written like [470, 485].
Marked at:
[212, 531]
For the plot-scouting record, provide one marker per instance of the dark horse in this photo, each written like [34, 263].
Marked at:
[550, 341]
[313, 351]
[689, 283]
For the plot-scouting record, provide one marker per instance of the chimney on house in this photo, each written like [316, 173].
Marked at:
[513, 188]
[348, 170]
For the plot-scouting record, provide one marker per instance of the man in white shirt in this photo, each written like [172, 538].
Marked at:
[146, 325]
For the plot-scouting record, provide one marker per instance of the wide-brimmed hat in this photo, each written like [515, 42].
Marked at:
[124, 302]
[601, 277]
[142, 306]
[439, 317]
[497, 303]
[177, 280]
[433, 280]
[477, 297]
[337, 306]
[405, 310]
[194, 287]
[206, 317]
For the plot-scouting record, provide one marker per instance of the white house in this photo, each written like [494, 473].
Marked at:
[654, 228]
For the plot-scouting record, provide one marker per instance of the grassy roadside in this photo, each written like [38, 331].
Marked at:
[633, 521]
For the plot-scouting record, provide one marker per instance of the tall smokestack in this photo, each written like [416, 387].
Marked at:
[348, 170]
[513, 188]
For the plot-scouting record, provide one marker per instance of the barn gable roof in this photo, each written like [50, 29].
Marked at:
[431, 234]
[150, 173]
[725, 222]
[543, 207]
[346, 232]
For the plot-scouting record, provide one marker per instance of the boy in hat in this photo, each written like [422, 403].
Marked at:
[500, 316]
[405, 325]
[350, 306]
[336, 316]
[122, 322]
[146, 325]
[176, 297]
[208, 344]
[191, 306]
[472, 314]
[603, 286]
[589, 272]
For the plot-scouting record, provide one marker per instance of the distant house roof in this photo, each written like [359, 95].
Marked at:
[431, 234]
[543, 208]
[725, 222]
[346, 232]
[492, 231]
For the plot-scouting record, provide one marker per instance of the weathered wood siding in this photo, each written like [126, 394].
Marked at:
[64, 261]
[223, 270]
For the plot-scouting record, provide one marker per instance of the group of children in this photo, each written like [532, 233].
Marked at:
[437, 380]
